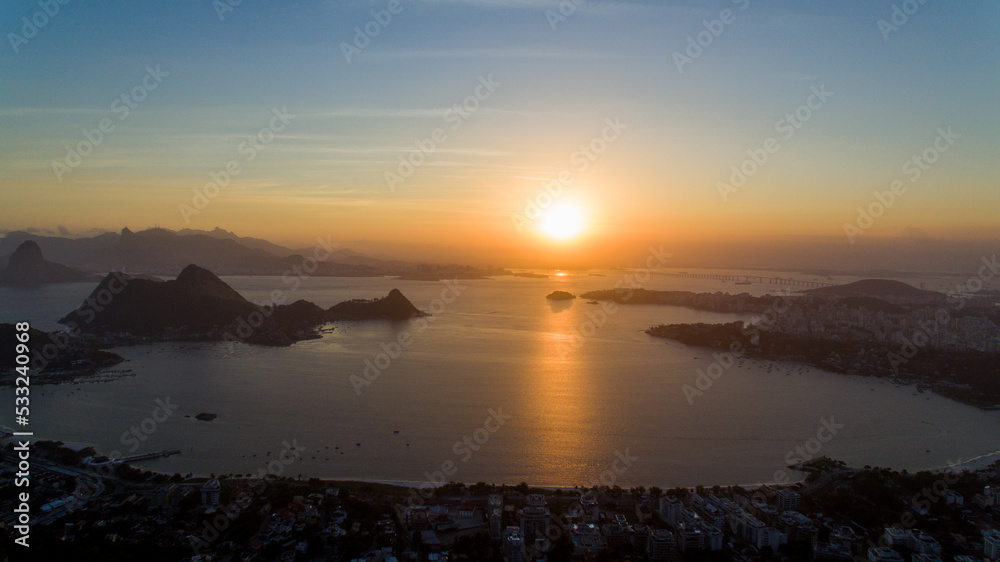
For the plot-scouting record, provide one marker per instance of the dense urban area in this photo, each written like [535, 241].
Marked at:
[93, 509]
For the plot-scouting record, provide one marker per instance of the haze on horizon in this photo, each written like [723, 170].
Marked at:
[336, 109]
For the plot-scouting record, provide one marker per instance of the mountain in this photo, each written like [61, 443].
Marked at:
[196, 301]
[879, 288]
[197, 304]
[26, 267]
[252, 243]
[392, 307]
[159, 251]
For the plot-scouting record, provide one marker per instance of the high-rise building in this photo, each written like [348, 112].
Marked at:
[211, 492]
[671, 509]
[991, 544]
[513, 545]
[788, 500]
[534, 521]
[494, 514]
[661, 545]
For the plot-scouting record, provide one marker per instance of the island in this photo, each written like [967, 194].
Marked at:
[560, 296]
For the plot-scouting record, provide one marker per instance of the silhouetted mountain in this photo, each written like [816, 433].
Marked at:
[198, 304]
[161, 252]
[880, 288]
[26, 267]
[196, 301]
[392, 307]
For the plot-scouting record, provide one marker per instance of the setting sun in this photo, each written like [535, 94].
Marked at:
[562, 222]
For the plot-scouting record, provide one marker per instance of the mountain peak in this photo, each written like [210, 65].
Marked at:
[27, 253]
[27, 267]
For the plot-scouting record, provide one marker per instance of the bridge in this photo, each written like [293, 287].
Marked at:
[146, 456]
[748, 279]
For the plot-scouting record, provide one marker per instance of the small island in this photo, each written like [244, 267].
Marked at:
[560, 296]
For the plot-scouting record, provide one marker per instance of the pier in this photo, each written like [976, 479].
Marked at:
[146, 456]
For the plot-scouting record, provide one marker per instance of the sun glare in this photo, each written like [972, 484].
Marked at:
[562, 222]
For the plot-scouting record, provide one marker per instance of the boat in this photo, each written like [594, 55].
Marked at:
[743, 283]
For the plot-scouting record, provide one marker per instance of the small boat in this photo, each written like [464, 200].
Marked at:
[743, 283]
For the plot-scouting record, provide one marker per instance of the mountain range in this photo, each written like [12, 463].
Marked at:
[158, 251]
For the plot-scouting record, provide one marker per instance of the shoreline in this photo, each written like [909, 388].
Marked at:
[974, 464]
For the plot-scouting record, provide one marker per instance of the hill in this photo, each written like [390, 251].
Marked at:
[197, 304]
[392, 307]
[27, 267]
[195, 301]
[879, 288]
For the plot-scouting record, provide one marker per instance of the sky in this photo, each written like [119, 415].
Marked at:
[514, 131]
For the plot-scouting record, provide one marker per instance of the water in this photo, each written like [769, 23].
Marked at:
[499, 345]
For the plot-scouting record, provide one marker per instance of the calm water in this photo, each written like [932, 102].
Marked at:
[499, 345]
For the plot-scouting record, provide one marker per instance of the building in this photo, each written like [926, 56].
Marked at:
[591, 509]
[494, 514]
[615, 534]
[639, 535]
[788, 500]
[922, 543]
[670, 509]
[513, 545]
[534, 521]
[991, 544]
[586, 539]
[661, 546]
[211, 491]
[713, 537]
[879, 554]
[895, 537]
[690, 537]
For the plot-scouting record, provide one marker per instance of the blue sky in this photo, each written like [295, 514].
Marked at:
[606, 60]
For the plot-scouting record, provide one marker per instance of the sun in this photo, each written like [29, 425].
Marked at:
[562, 222]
